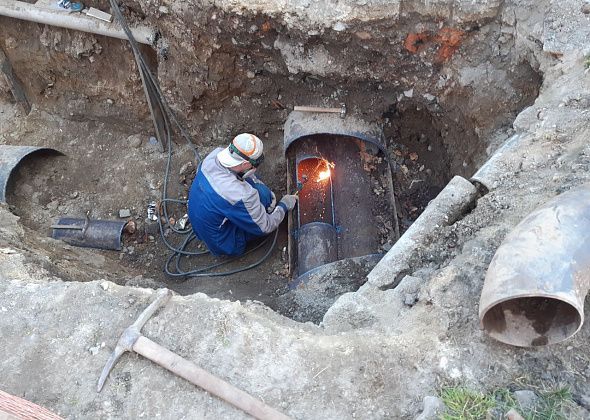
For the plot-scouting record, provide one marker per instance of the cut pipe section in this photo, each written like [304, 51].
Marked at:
[75, 21]
[10, 158]
[536, 284]
[101, 234]
[346, 205]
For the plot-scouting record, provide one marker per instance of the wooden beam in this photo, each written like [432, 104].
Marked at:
[14, 83]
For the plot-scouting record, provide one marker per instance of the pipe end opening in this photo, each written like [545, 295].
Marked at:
[531, 321]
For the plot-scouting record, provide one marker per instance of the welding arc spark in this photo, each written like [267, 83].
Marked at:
[323, 175]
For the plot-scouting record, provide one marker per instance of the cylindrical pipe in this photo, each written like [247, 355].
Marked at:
[76, 21]
[450, 204]
[498, 164]
[316, 246]
[102, 234]
[536, 284]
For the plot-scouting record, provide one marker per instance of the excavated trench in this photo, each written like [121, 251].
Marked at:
[439, 99]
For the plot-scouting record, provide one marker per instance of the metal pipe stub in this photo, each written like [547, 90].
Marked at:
[536, 284]
[102, 234]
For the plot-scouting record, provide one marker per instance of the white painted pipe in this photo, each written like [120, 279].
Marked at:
[75, 21]
[444, 210]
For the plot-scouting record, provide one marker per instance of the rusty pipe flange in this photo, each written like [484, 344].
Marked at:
[10, 157]
[301, 124]
[536, 284]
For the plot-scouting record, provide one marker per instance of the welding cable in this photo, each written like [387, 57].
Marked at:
[200, 271]
[178, 252]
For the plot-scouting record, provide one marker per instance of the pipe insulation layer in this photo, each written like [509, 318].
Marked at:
[536, 284]
[500, 164]
[75, 21]
[450, 204]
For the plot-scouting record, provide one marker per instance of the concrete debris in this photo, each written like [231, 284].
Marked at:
[566, 28]
[53, 205]
[135, 140]
[527, 400]
[339, 27]
[433, 408]
[124, 213]
[410, 299]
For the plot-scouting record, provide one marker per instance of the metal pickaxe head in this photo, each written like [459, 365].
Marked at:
[132, 333]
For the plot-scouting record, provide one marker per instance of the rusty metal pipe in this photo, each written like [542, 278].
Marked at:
[536, 284]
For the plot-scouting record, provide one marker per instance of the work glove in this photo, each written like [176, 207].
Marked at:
[273, 203]
[288, 201]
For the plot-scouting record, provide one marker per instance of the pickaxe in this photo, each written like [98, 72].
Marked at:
[132, 340]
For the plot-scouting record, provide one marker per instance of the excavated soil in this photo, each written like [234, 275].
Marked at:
[447, 87]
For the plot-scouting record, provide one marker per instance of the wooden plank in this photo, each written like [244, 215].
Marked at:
[14, 83]
[15, 407]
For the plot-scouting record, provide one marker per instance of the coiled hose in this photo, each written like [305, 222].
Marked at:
[178, 252]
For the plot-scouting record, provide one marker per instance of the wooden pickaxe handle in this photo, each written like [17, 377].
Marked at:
[317, 109]
[132, 340]
[210, 383]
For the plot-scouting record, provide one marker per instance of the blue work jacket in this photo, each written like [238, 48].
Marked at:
[225, 211]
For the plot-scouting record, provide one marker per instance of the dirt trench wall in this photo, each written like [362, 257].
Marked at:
[236, 66]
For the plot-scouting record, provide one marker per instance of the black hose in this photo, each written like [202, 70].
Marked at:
[152, 85]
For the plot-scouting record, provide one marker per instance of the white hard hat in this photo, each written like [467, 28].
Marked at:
[244, 147]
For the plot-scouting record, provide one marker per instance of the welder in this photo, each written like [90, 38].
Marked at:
[228, 205]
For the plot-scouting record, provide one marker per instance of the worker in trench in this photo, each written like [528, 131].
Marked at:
[227, 204]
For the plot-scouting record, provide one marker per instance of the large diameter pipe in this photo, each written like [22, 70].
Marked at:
[317, 245]
[536, 284]
[75, 21]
